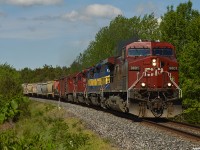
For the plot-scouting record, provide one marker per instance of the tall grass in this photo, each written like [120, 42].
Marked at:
[48, 128]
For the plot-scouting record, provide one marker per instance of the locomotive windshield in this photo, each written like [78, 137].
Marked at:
[139, 52]
[162, 51]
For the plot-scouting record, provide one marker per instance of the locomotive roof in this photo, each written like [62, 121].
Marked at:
[149, 44]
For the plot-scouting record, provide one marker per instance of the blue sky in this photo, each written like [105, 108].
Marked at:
[54, 32]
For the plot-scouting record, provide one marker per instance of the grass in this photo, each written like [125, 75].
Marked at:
[47, 127]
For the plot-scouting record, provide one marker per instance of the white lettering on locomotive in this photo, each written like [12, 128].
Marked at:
[153, 72]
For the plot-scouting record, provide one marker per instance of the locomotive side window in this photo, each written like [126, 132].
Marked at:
[163, 51]
[139, 52]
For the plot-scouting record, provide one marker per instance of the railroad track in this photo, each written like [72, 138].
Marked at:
[125, 130]
[182, 129]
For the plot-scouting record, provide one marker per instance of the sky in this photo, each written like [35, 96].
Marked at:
[54, 32]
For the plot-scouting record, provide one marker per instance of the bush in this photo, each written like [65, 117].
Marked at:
[192, 116]
[45, 131]
[12, 103]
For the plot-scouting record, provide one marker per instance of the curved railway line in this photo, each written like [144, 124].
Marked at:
[181, 129]
[184, 130]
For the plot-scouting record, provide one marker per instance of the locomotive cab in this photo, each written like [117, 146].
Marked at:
[152, 79]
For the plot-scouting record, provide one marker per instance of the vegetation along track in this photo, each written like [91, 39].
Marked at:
[183, 129]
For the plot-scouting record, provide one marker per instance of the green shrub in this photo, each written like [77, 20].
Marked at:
[12, 103]
[44, 131]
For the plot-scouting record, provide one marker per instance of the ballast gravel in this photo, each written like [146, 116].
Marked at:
[127, 134]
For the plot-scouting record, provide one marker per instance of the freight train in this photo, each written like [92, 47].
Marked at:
[142, 80]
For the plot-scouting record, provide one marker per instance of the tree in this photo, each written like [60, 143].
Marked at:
[11, 98]
[175, 23]
[10, 83]
[46, 73]
[181, 27]
[107, 39]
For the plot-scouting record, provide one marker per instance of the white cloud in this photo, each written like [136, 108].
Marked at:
[93, 11]
[31, 2]
[72, 16]
[98, 10]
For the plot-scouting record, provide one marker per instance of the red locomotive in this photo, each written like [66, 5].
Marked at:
[142, 81]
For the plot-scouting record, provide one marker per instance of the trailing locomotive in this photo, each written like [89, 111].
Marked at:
[142, 81]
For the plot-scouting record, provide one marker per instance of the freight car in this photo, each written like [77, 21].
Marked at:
[142, 80]
[29, 88]
[56, 89]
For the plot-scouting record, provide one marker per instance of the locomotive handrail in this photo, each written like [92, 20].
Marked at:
[180, 91]
[128, 91]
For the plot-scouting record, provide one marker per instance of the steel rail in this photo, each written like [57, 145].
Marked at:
[174, 130]
[131, 117]
[185, 124]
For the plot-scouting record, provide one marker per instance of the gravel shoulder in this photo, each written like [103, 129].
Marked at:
[126, 134]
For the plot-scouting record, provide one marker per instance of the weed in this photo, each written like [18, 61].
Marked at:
[46, 129]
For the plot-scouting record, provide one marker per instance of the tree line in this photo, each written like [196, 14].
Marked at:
[46, 73]
[179, 26]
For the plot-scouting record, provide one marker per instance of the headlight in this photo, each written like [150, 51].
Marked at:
[154, 62]
[169, 84]
[143, 84]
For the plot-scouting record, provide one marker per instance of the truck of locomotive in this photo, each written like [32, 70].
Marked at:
[142, 81]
